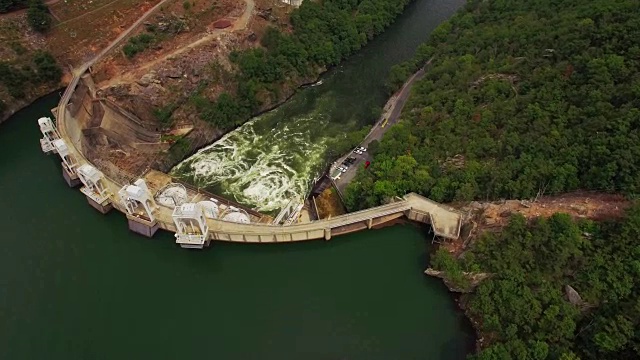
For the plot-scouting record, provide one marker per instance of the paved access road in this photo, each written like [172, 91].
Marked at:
[393, 114]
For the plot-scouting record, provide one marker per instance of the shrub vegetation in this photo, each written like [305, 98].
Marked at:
[38, 16]
[19, 77]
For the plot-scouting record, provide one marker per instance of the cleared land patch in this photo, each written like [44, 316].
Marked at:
[84, 29]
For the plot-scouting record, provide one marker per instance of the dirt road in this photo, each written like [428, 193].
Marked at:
[240, 24]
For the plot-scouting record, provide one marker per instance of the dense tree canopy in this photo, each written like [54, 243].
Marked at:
[39, 16]
[324, 33]
[522, 309]
[521, 97]
[47, 70]
[19, 77]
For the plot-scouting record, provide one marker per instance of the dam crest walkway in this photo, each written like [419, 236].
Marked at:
[445, 222]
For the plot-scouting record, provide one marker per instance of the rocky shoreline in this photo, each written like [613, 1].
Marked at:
[20, 104]
[460, 295]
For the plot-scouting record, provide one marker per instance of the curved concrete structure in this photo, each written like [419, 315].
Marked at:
[446, 222]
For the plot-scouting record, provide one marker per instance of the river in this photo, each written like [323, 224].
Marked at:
[275, 157]
[75, 284]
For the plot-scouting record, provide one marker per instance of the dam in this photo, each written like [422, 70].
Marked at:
[157, 201]
[195, 216]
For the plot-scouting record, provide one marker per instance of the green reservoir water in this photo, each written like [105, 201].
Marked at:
[75, 284]
[275, 157]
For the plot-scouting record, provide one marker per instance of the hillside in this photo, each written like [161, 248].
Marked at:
[522, 98]
[525, 99]
[212, 80]
[556, 289]
[33, 63]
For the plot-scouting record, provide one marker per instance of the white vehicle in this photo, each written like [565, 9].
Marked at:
[363, 149]
[343, 169]
[358, 151]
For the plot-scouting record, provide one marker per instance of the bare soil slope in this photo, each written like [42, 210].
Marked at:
[80, 29]
[158, 84]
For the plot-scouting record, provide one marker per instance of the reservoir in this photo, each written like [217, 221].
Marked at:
[75, 284]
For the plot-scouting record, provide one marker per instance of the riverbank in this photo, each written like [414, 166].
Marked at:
[18, 104]
[196, 144]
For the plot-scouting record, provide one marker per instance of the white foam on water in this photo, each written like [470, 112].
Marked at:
[265, 170]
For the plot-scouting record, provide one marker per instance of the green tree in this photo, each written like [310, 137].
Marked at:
[14, 79]
[46, 67]
[443, 261]
[39, 16]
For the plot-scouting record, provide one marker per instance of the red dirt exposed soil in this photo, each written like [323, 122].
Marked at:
[222, 24]
[492, 216]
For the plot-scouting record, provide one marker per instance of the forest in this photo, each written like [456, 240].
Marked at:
[522, 309]
[522, 98]
[323, 34]
[525, 98]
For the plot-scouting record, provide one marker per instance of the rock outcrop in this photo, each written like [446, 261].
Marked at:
[474, 280]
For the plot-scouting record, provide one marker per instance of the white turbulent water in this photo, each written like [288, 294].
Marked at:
[261, 167]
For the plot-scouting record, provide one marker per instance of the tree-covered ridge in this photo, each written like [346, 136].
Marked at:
[323, 34]
[522, 96]
[522, 309]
